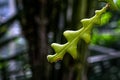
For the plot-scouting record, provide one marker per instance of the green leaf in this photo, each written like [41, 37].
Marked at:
[118, 3]
[74, 36]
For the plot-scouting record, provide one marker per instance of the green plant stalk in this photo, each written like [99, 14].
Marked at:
[79, 12]
[112, 4]
[74, 36]
[81, 65]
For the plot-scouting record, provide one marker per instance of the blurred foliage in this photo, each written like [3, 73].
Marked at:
[107, 37]
[105, 18]
[3, 30]
[103, 39]
[117, 2]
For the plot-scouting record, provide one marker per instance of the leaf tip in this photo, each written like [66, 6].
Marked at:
[53, 58]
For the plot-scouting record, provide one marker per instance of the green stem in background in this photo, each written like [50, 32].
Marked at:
[114, 4]
[74, 36]
[79, 12]
[81, 65]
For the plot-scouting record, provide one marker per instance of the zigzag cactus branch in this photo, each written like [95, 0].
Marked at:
[74, 36]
